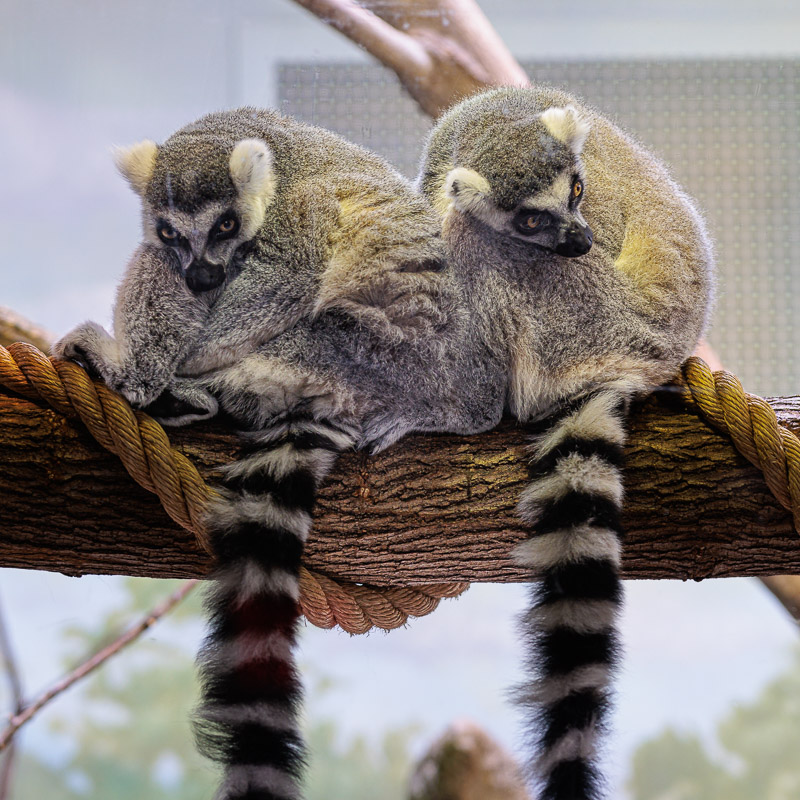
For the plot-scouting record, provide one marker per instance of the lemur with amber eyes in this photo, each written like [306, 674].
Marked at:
[597, 273]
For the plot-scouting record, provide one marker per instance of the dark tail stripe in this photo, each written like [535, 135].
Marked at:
[575, 509]
[295, 490]
[580, 580]
[576, 711]
[572, 780]
[255, 744]
[269, 546]
[230, 688]
[565, 650]
[259, 616]
[255, 794]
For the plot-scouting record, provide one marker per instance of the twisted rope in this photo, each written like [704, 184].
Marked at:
[753, 427]
[144, 449]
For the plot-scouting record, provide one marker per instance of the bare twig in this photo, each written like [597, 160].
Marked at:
[15, 684]
[25, 715]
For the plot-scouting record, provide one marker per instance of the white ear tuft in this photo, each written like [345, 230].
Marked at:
[466, 188]
[136, 163]
[254, 179]
[567, 125]
[251, 169]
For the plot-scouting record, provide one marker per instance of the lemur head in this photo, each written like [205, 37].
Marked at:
[518, 172]
[200, 200]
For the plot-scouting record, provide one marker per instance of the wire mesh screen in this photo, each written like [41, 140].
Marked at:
[730, 131]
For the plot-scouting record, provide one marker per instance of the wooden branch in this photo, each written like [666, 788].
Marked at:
[16, 328]
[442, 50]
[431, 509]
[786, 589]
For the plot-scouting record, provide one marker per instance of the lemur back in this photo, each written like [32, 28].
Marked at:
[597, 274]
[297, 283]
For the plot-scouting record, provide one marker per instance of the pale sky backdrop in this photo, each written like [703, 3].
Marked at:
[78, 77]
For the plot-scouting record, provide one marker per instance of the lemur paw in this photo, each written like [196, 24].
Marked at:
[86, 346]
[181, 403]
[93, 348]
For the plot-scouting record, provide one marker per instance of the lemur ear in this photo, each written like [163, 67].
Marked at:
[567, 125]
[136, 163]
[466, 188]
[254, 178]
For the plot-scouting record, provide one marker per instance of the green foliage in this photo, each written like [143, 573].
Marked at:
[761, 746]
[132, 738]
[356, 771]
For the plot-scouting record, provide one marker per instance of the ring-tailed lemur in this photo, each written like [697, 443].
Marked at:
[596, 300]
[298, 282]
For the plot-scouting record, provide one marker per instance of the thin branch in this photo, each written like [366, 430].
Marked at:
[15, 684]
[25, 715]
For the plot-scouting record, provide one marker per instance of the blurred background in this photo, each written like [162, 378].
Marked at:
[709, 705]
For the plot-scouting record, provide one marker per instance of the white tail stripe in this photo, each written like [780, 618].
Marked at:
[548, 690]
[575, 744]
[267, 714]
[598, 418]
[584, 543]
[226, 515]
[341, 439]
[250, 579]
[591, 475]
[283, 461]
[582, 616]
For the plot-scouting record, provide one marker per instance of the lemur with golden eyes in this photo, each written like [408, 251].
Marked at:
[596, 270]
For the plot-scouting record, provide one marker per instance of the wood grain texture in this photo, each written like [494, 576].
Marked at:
[430, 509]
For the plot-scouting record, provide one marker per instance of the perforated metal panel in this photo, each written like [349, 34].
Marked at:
[730, 131]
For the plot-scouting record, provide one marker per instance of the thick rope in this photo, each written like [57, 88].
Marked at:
[753, 427]
[144, 449]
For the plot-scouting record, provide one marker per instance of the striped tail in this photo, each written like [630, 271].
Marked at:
[248, 715]
[573, 501]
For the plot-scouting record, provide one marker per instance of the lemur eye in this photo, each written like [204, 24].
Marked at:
[168, 234]
[227, 227]
[577, 189]
[530, 222]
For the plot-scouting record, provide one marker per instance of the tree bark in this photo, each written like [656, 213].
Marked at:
[430, 509]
